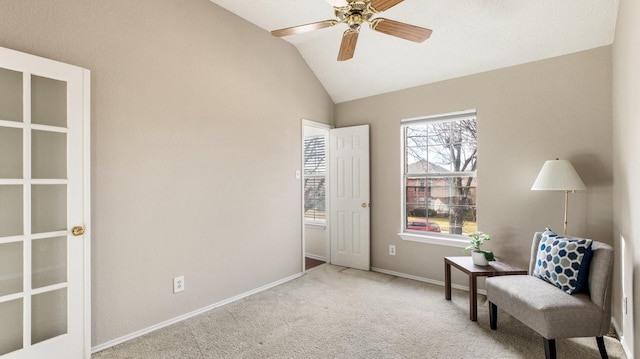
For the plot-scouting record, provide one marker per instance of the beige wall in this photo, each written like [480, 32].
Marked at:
[527, 114]
[626, 149]
[315, 242]
[196, 139]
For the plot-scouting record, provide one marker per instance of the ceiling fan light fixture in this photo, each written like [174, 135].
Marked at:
[354, 21]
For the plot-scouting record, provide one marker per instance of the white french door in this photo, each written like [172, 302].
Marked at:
[349, 199]
[44, 208]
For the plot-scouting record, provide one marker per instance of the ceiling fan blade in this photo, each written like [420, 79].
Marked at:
[338, 3]
[382, 5]
[348, 45]
[303, 28]
[401, 30]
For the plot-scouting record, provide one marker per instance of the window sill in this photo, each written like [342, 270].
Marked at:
[438, 239]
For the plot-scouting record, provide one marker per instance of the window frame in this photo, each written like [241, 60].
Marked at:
[445, 239]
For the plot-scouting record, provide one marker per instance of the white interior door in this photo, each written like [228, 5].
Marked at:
[44, 194]
[349, 194]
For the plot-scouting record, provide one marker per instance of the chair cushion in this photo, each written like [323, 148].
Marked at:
[544, 308]
[563, 261]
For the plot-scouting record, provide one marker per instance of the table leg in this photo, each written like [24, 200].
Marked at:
[473, 297]
[447, 281]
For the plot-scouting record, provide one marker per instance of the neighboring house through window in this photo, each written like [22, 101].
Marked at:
[439, 175]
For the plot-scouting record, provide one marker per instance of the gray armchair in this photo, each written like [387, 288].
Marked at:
[550, 311]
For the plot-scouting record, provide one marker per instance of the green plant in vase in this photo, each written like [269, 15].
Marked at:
[477, 240]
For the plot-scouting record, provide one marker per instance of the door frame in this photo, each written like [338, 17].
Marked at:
[86, 163]
[327, 239]
[328, 131]
[29, 61]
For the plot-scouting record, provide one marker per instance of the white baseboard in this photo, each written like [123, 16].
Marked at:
[424, 279]
[317, 257]
[623, 341]
[625, 347]
[155, 327]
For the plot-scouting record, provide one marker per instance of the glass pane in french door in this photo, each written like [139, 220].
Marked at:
[12, 325]
[11, 210]
[10, 152]
[48, 261]
[48, 154]
[48, 101]
[48, 315]
[10, 95]
[48, 208]
[11, 264]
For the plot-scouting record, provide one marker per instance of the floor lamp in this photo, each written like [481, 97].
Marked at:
[559, 175]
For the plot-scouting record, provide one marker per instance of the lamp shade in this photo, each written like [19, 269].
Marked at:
[558, 175]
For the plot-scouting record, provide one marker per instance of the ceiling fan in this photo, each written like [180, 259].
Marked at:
[354, 13]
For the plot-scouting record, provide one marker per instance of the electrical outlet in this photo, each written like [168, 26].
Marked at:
[392, 250]
[178, 284]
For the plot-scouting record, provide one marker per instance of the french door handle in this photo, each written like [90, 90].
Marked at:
[77, 231]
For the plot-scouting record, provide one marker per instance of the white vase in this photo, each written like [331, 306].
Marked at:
[479, 259]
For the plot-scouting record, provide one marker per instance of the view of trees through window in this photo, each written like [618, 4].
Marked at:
[440, 174]
[314, 178]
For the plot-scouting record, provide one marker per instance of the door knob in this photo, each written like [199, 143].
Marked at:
[77, 231]
[364, 205]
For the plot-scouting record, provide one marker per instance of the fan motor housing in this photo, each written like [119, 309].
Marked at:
[356, 13]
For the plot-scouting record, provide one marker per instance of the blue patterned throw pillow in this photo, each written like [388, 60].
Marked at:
[563, 261]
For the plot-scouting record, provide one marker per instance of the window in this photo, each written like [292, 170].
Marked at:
[314, 179]
[439, 176]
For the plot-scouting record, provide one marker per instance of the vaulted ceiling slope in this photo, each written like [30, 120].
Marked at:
[469, 36]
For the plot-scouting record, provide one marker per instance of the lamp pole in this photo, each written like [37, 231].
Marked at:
[566, 210]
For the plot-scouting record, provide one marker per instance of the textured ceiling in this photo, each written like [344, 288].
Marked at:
[469, 36]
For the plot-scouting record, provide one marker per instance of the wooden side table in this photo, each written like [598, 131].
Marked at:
[465, 264]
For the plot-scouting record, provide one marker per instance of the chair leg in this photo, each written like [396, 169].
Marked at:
[493, 316]
[550, 348]
[602, 348]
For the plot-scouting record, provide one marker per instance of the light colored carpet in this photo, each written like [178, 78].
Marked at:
[336, 312]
